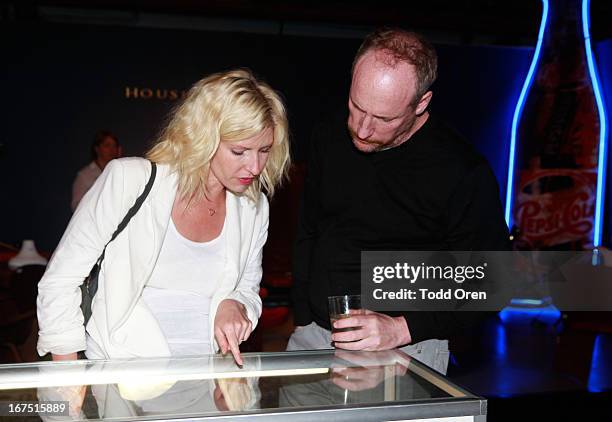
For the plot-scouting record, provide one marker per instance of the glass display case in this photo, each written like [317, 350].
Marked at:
[304, 386]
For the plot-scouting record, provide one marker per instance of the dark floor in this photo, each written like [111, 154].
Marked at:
[525, 357]
[534, 370]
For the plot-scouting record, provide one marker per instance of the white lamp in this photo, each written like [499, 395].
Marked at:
[28, 255]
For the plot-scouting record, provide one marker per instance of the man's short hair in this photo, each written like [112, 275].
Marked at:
[406, 46]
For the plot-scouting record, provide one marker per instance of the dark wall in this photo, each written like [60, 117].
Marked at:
[62, 83]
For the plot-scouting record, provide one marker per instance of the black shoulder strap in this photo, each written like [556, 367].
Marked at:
[132, 211]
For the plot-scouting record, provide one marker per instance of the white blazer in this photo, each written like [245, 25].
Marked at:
[121, 323]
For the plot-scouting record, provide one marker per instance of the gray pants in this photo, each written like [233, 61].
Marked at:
[433, 353]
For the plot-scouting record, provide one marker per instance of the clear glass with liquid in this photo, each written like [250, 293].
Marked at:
[341, 307]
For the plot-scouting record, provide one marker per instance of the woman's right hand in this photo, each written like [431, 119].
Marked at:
[69, 356]
[232, 327]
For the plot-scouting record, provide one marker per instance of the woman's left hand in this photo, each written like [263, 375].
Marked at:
[232, 327]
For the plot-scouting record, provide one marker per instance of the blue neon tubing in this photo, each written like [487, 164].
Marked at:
[518, 111]
[603, 128]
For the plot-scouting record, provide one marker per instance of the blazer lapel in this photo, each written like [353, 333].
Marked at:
[147, 241]
[233, 239]
[240, 217]
[146, 234]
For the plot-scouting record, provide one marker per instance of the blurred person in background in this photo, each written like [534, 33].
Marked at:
[105, 147]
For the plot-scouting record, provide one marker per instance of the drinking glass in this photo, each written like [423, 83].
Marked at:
[341, 307]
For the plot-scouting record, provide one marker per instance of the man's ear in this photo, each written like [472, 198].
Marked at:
[423, 103]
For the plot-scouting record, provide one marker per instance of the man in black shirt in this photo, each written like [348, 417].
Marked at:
[388, 176]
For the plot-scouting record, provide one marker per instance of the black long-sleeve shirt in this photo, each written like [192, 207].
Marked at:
[432, 192]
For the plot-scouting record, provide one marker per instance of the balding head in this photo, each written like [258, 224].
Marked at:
[384, 106]
[391, 86]
[403, 46]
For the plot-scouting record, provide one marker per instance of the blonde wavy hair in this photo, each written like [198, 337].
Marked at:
[223, 107]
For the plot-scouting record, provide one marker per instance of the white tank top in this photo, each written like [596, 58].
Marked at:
[181, 286]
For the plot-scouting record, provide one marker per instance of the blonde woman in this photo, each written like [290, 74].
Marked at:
[183, 277]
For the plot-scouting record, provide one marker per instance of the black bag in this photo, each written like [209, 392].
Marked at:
[90, 284]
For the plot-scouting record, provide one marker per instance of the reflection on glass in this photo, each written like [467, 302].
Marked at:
[359, 378]
[213, 385]
[133, 400]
